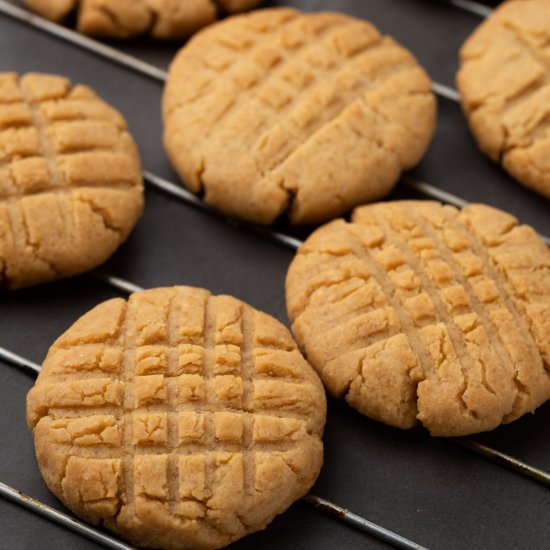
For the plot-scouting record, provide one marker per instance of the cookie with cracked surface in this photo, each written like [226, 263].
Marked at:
[160, 19]
[70, 179]
[177, 419]
[415, 311]
[279, 111]
[504, 84]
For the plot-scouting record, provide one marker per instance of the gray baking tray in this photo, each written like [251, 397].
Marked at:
[430, 490]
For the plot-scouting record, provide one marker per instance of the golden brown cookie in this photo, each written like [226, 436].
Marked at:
[177, 419]
[311, 113]
[418, 311]
[504, 83]
[70, 179]
[162, 19]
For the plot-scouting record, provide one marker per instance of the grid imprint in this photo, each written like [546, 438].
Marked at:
[202, 416]
[70, 182]
[415, 311]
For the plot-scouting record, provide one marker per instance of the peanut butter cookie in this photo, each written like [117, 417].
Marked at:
[311, 113]
[70, 179]
[504, 83]
[418, 311]
[161, 19]
[177, 419]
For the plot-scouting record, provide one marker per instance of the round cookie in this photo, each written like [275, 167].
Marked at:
[309, 113]
[70, 179]
[177, 419]
[161, 19]
[504, 84]
[415, 311]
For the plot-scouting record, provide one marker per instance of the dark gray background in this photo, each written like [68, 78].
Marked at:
[429, 490]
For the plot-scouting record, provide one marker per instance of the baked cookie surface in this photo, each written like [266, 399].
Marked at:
[177, 419]
[70, 179]
[162, 19]
[278, 111]
[504, 83]
[418, 311]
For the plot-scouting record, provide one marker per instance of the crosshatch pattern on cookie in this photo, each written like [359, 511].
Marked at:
[163, 437]
[168, 19]
[287, 96]
[70, 182]
[416, 311]
[504, 82]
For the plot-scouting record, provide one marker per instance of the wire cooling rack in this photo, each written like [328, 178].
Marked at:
[283, 237]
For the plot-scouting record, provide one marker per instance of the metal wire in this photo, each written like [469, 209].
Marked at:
[472, 7]
[61, 518]
[289, 241]
[116, 282]
[178, 192]
[107, 541]
[433, 192]
[84, 42]
[445, 91]
[361, 523]
[20, 362]
[505, 460]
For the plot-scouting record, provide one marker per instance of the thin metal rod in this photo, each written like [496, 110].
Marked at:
[61, 518]
[20, 362]
[175, 191]
[360, 523]
[84, 42]
[178, 192]
[472, 7]
[73, 524]
[116, 282]
[293, 243]
[446, 92]
[505, 460]
[433, 192]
